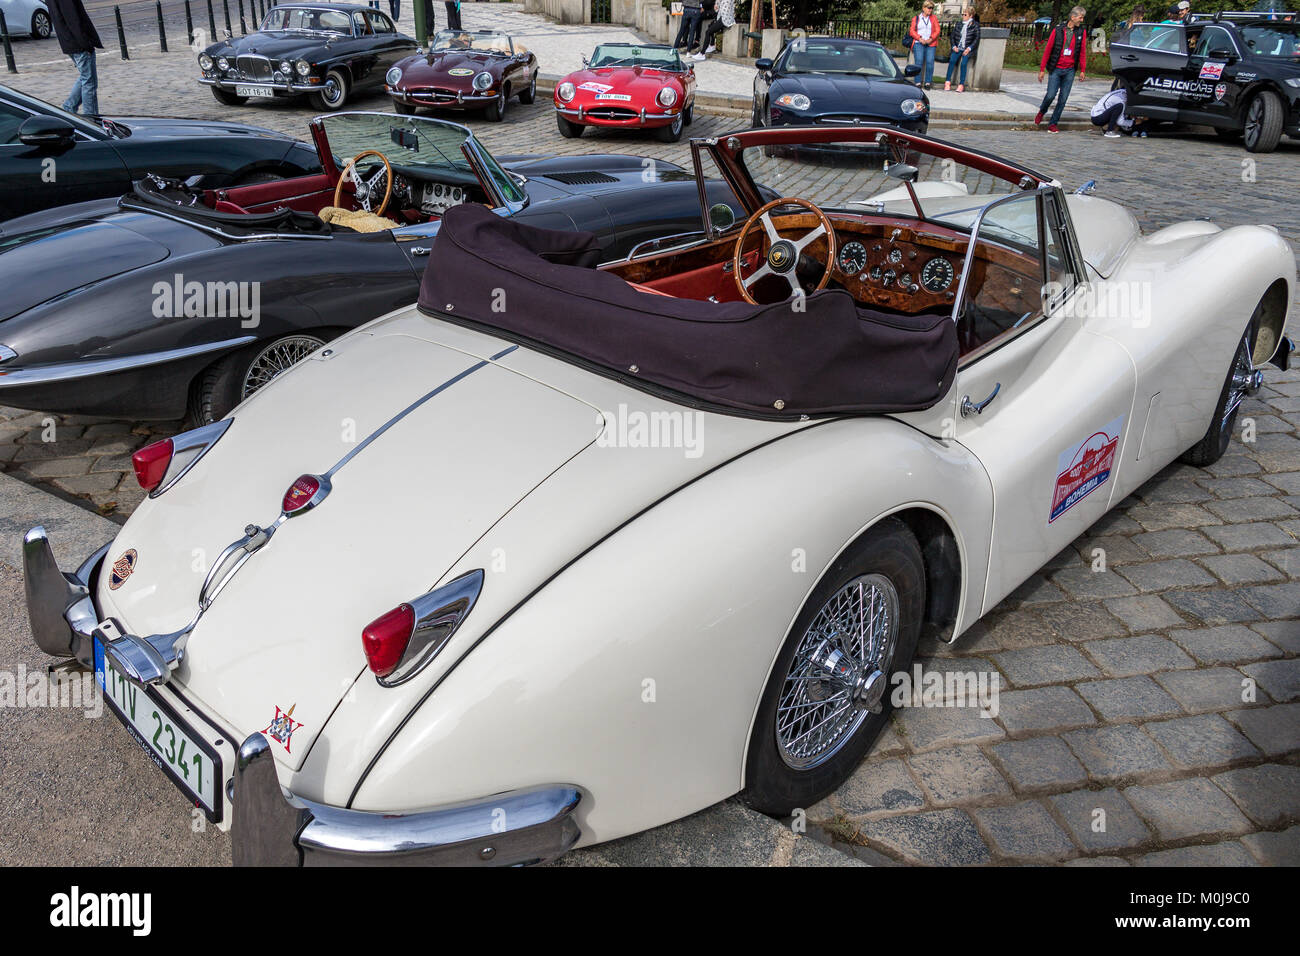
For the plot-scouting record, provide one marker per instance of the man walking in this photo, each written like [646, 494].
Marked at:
[453, 14]
[78, 39]
[1065, 51]
[688, 33]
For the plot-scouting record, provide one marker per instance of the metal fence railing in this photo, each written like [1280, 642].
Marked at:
[892, 32]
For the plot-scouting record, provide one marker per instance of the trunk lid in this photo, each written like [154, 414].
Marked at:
[400, 514]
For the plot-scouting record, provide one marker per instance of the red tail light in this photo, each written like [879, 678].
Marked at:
[385, 639]
[151, 463]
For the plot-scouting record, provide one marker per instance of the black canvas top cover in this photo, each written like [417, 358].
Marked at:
[540, 287]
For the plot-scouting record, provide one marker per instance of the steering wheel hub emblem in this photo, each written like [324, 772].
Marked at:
[782, 256]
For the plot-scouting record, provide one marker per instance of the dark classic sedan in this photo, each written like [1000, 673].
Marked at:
[174, 298]
[323, 50]
[827, 81]
[465, 70]
[49, 157]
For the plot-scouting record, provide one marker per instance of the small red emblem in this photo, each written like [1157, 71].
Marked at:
[121, 569]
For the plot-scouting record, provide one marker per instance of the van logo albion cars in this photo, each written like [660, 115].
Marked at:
[122, 569]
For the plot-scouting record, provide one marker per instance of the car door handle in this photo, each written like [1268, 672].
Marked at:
[969, 408]
[1129, 58]
[419, 250]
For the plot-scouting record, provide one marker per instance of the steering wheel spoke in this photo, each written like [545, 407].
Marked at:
[365, 189]
[760, 272]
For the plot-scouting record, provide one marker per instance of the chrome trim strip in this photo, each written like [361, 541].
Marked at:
[66, 371]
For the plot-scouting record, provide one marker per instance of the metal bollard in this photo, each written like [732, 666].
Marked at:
[189, 24]
[225, 5]
[121, 34]
[162, 32]
[212, 24]
[243, 24]
[10, 65]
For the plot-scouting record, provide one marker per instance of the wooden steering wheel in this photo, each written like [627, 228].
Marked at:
[782, 257]
[363, 193]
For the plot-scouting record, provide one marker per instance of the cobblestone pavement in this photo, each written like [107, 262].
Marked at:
[1125, 692]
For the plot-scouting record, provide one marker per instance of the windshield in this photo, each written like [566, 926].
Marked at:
[413, 142]
[627, 54]
[314, 21]
[1281, 40]
[852, 177]
[478, 42]
[837, 56]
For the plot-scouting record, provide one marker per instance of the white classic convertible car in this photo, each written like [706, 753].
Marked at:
[571, 550]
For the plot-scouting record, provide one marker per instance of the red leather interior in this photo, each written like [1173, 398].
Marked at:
[701, 283]
[225, 206]
[304, 193]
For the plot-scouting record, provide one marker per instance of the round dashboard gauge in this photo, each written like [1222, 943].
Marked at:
[937, 274]
[853, 258]
[895, 256]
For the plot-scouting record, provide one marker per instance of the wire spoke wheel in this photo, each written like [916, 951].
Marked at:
[839, 672]
[278, 357]
[1243, 380]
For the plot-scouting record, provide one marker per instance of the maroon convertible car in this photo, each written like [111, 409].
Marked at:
[465, 69]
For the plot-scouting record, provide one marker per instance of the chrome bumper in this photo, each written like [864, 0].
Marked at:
[583, 115]
[264, 88]
[59, 605]
[509, 829]
[432, 99]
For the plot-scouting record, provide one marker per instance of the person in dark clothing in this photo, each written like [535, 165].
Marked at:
[965, 37]
[688, 34]
[79, 39]
[453, 14]
[1065, 52]
[430, 26]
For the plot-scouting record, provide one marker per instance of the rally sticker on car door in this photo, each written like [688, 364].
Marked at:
[1212, 71]
[1083, 468]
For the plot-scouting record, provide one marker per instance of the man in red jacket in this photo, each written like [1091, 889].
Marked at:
[1065, 51]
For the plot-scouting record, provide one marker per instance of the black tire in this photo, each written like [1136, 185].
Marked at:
[223, 384]
[773, 785]
[567, 129]
[673, 131]
[1263, 129]
[1218, 436]
[689, 114]
[334, 95]
[528, 95]
[403, 109]
[42, 27]
[226, 98]
[496, 111]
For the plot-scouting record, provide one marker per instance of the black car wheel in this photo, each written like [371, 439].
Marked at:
[496, 110]
[827, 699]
[1263, 123]
[689, 114]
[1242, 380]
[41, 26]
[567, 129]
[529, 95]
[404, 109]
[226, 98]
[673, 131]
[227, 382]
[334, 93]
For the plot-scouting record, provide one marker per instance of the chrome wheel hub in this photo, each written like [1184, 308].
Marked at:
[1245, 380]
[276, 358]
[838, 676]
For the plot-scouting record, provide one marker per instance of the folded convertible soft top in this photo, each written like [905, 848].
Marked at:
[540, 287]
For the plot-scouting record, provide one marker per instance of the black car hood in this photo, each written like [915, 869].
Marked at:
[162, 127]
[279, 44]
[832, 92]
[95, 250]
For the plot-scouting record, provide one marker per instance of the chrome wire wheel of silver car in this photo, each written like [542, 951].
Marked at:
[839, 672]
[1243, 379]
[825, 701]
[278, 357]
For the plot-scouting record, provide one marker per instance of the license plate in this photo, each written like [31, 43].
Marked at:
[251, 91]
[189, 760]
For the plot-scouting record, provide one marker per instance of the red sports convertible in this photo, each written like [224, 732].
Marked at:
[465, 69]
[627, 85]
